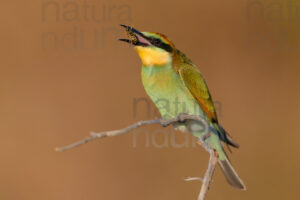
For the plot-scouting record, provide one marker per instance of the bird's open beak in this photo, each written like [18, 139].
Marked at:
[135, 37]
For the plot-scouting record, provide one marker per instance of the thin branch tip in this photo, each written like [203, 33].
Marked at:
[188, 179]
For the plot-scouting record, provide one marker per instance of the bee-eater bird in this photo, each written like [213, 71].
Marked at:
[169, 76]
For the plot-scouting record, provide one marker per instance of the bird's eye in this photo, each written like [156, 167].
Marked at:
[156, 42]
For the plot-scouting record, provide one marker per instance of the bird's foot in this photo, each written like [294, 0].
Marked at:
[182, 117]
[204, 137]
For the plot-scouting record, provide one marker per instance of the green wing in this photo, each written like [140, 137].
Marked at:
[195, 82]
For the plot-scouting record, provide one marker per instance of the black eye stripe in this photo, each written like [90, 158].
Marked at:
[156, 42]
[166, 47]
[160, 44]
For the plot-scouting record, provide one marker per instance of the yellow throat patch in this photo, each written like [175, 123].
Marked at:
[151, 56]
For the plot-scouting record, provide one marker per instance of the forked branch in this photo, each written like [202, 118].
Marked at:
[182, 118]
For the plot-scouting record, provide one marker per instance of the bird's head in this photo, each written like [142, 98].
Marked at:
[153, 48]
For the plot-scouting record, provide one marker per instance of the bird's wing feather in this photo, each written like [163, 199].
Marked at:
[195, 83]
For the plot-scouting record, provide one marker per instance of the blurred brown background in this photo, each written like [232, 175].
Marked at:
[63, 74]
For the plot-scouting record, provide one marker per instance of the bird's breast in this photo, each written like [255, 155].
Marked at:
[166, 89]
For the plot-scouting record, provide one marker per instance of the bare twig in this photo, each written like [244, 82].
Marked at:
[213, 160]
[163, 122]
[94, 136]
[193, 179]
[182, 118]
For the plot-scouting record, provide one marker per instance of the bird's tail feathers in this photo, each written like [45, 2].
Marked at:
[230, 174]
